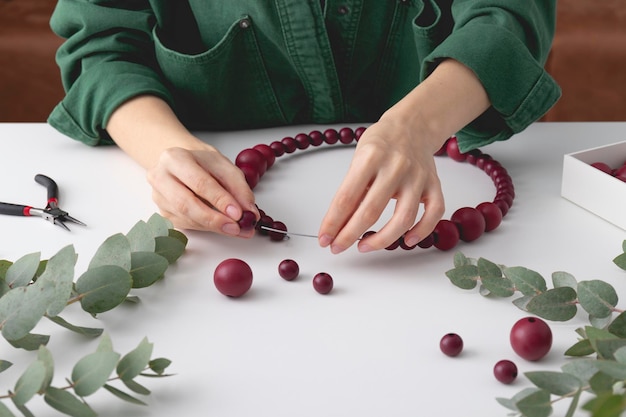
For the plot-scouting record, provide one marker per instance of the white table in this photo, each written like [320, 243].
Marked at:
[370, 348]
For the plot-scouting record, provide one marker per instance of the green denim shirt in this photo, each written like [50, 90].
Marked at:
[252, 64]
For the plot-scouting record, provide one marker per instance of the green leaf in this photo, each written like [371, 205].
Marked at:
[92, 372]
[618, 325]
[30, 342]
[4, 266]
[557, 383]
[522, 302]
[620, 260]
[601, 323]
[67, 403]
[20, 311]
[573, 405]
[29, 383]
[45, 357]
[4, 411]
[557, 304]
[564, 279]
[464, 277]
[606, 405]
[180, 236]
[105, 344]
[460, 259]
[147, 268]
[601, 383]
[536, 404]
[607, 347]
[4, 365]
[136, 387]
[141, 238]
[114, 251]
[159, 225]
[170, 248]
[527, 281]
[611, 368]
[492, 278]
[22, 408]
[597, 297]
[122, 395]
[134, 362]
[583, 369]
[23, 270]
[85, 331]
[57, 280]
[103, 288]
[159, 365]
[581, 348]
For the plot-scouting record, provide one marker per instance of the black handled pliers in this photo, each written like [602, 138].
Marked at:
[52, 212]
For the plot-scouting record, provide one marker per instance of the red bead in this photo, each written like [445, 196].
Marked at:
[491, 165]
[251, 174]
[506, 197]
[268, 153]
[317, 138]
[470, 222]
[503, 206]
[331, 136]
[346, 135]
[302, 141]
[266, 221]
[278, 148]
[446, 235]
[277, 236]
[404, 246]
[482, 159]
[359, 132]
[442, 151]
[368, 233]
[472, 156]
[395, 245]
[620, 173]
[323, 283]
[288, 269]
[505, 371]
[253, 158]
[492, 214]
[247, 220]
[603, 167]
[233, 277]
[427, 242]
[451, 344]
[452, 149]
[290, 144]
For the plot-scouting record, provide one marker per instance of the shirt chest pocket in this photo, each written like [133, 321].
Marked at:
[223, 87]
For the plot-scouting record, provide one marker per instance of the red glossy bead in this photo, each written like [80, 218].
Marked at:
[503, 206]
[531, 338]
[317, 138]
[247, 220]
[504, 196]
[482, 159]
[346, 135]
[323, 283]
[264, 220]
[290, 144]
[252, 158]
[251, 174]
[302, 141]
[331, 136]
[470, 222]
[491, 213]
[452, 149]
[278, 148]
[233, 277]
[395, 245]
[491, 166]
[288, 269]
[472, 156]
[451, 344]
[446, 235]
[268, 153]
[427, 242]
[358, 132]
[368, 233]
[620, 173]
[277, 236]
[442, 151]
[603, 167]
[505, 371]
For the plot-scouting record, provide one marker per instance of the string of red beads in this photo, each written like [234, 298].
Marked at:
[466, 224]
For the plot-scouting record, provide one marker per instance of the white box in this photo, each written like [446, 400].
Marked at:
[592, 189]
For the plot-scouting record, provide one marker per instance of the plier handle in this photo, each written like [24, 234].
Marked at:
[51, 212]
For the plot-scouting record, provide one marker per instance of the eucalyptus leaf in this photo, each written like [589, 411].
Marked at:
[620, 355]
[85, 331]
[136, 387]
[103, 288]
[522, 302]
[464, 277]
[123, 396]
[527, 281]
[30, 342]
[598, 298]
[564, 279]
[607, 347]
[92, 371]
[620, 260]
[507, 402]
[618, 325]
[45, 357]
[22, 272]
[170, 248]
[56, 281]
[22, 408]
[536, 404]
[488, 269]
[573, 405]
[180, 236]
[558, 383]
[159, 365]
[67, 403]
[4, 365]
[147, 268]
[501, 287]
[601, 383]
[612, 368]
[141, 238]
[20, 311]
[105, 344]
[557, 304]
[606, 405]
[460, 259]
[583, 369]
[484, 291]
[581, 348]
[601, 323]
[4, 266]
[134, 362]
[159, 225]
[114, 251]
[4, 411]
[29, 383]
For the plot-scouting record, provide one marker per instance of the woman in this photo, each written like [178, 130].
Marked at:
[142, 73]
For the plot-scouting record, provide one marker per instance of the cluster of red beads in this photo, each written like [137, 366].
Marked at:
[619, 173]
[466, 224]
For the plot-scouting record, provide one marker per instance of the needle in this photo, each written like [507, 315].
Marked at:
[271, 229]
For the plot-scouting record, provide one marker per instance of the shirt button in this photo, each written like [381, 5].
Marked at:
[343, 10]
[244, 23]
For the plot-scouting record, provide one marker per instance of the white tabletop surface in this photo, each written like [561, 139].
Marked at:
[370, 348]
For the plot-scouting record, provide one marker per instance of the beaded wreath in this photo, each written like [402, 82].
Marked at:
[466, 224]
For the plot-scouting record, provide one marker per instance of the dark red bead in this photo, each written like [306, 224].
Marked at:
[251, 174]
[404, 246]
[264, 220]
[346, 135]
[446, 235]
[470, 222]
[603, 167]
[288, 269]
[317, 138]
[472, 156]
[331, 136]
[395, 245]
[491, 165]
[503, 206]
[302, 140]
[427, 242]
[247, 220]
[323, 283]
[482, 159]
[504, 197]
[268, 153]
[290, 144]
[278, 148]
[358, 132]
[505, 371]
[492, 214]
[368, 233]
[453, 151]
[451, 344]
[253, 158]
[277, 236]
[442, 151]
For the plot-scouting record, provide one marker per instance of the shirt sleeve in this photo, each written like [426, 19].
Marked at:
[506, 43]
[108, 58]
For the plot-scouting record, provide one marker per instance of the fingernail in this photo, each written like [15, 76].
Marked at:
[230, 229]
[325, 240]
[365, 248]
[232, 212]
[336, 249]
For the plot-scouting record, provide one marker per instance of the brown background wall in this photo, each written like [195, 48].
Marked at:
[588, 60]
